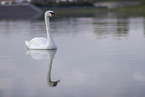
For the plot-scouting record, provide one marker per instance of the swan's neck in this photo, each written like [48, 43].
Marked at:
[47, 28]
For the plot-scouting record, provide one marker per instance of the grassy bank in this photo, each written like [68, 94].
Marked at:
[79, 11]
[89, 11]
[137, 8]
[73, 11]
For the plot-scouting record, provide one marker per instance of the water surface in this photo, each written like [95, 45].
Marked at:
[96, 57]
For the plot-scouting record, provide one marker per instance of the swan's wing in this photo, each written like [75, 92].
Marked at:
[38, 42]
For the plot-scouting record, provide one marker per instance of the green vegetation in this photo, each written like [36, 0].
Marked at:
[137, 8]
[81, 7]
[74, 3]
[79, 11]
[57, 3]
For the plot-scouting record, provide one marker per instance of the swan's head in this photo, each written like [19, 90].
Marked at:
[50, 13]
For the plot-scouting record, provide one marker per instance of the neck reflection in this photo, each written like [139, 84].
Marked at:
[45, 55]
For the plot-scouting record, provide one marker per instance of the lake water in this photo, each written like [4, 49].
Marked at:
[96, 57]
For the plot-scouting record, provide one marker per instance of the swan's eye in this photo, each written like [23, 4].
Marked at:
[52, 13]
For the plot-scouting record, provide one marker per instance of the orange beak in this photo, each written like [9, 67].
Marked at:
[53, 15]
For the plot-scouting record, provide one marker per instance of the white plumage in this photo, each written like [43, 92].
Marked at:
[40, 42]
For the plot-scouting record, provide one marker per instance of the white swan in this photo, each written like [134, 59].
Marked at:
[40, 42]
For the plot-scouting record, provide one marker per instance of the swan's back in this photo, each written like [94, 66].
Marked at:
[40, 43]
[37, 43]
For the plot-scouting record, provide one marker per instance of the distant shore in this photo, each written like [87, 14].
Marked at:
[30, 11]
[87, 10]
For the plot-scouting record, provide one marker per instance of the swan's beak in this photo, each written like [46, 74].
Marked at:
[53, 15]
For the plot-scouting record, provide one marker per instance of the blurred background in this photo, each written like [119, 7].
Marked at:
[19, 8]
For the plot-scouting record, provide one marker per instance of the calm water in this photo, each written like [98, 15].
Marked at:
[96, 57]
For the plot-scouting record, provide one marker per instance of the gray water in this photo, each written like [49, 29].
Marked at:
[96, 57]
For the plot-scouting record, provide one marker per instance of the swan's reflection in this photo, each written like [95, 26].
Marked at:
[45, 55]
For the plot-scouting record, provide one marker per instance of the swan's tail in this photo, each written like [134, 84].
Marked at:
[27, 43]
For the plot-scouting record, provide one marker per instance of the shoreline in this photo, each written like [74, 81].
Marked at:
[15, 12]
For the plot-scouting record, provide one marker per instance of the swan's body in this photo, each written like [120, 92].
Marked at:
[40, 42]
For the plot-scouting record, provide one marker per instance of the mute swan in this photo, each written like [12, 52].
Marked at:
[40, 42]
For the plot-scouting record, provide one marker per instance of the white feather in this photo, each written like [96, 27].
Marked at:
[40, 42]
